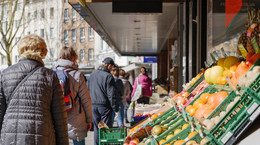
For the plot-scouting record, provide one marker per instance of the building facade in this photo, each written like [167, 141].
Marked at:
[78, 34]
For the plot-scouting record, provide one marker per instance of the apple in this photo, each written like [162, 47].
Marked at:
[126, 144]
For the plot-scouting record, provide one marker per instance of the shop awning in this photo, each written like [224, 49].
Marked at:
[144, 34]
[130, 67]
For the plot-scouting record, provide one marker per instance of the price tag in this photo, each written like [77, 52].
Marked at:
[255, 45]
[252, 108]
[226, 137]
[255, 114]
[242, 50]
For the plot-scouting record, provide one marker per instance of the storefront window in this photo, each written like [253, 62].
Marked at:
[226, 23]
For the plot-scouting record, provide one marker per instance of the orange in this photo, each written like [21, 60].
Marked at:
[179, 142]
[192, 111]
[186, 94]
[154, 116]
[160, 113]
[169, 136]
[192, 134]
[188, 107]
[184, 126]
[197, 104]
[234, 67]
[221, 80]
[162, 141]
[177, 131]
[227, 73]
[204, 97]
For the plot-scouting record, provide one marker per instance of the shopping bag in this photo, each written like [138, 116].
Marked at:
[138, 91]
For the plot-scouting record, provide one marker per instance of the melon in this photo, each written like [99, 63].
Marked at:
[229, 61]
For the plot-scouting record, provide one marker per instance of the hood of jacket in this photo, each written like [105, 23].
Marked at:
[64, 63]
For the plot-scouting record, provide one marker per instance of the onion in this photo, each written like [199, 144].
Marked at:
[229, 106]
[180, 100]
[222, 114]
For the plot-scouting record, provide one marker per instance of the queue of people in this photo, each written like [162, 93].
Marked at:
[50, 106]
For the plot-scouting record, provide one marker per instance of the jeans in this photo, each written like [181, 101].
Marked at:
[126, 108]
[99, 113]
[82, 142]
[120, 118]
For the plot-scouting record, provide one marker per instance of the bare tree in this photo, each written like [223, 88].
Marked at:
[12, 25]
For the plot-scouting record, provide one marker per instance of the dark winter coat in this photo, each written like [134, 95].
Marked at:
[102, 88]
[76, 120]
[36, 114]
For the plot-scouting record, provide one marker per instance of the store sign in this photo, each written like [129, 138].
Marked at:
[151, 59]
[233, 7]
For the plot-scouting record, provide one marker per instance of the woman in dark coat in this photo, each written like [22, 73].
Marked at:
[36, 113]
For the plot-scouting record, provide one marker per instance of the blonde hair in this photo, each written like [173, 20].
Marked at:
[32, 46]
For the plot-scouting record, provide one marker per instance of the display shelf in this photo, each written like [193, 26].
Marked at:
[236, 120]
[115, 136]
[197, 82]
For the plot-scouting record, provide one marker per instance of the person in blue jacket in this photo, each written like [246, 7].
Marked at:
[103, 95]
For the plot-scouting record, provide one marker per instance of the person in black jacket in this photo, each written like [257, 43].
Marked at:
[120, 93]
[103, 95]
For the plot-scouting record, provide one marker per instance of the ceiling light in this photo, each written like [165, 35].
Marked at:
[137, 21]
[137, 34]
[137, 28]
[138, 38]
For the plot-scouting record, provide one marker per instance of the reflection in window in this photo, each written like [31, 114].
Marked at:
[74, 16]
[52, 12]
[82, 54]
[82, 34]
[90, 34]
[42, 33]
[52, 32]
[91, 54]
[66, 36]
[74, 35]
[66, 15]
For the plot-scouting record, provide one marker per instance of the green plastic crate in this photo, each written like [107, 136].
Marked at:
[197, 82]
[235, 117]
[115, 136]
[198, 138]
[179, 136]
[255, 86]
[164, 115]
[175, 121]
[223, 105]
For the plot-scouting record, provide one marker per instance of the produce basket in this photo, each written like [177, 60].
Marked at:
[115, 136]
[179, 136]
[162, 117]
[255, 86]
[198, 139]
[174, 122]
[234, 123]
[197, 82]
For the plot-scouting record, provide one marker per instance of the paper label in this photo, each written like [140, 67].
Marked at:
[255, 45]
[252, 108]
[226, 137]
[242, 50]
[255, 114]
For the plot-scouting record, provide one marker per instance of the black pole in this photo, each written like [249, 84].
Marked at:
[194, 38]
[187, 35]
[203, 33]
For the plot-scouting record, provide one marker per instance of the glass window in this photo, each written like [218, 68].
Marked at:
[42, 13]
[28, 32]
[65, 1]
[16, 23]
[90, 54]
[35, 14]
[42, 33]
[101, 44]
[66, 36]
[66, 15]
[31, 1]
[90, 34]
[52, 52]
[51, 12]
[81, 18]
[51, 32]
[74, 16]
[17, 39]
[82, 54]
[19, 7]
[74, 35]
[3, 61]
[35, 32]
[16, 58]
[5, 10]
[82, 34]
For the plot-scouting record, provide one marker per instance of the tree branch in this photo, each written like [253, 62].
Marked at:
[11, 23]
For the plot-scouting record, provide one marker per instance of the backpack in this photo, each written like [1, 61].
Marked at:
[65, 85]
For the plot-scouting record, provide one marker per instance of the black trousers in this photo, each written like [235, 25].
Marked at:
[101, 113]
[143, 100]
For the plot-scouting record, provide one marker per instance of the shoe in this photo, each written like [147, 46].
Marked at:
[121, 126]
